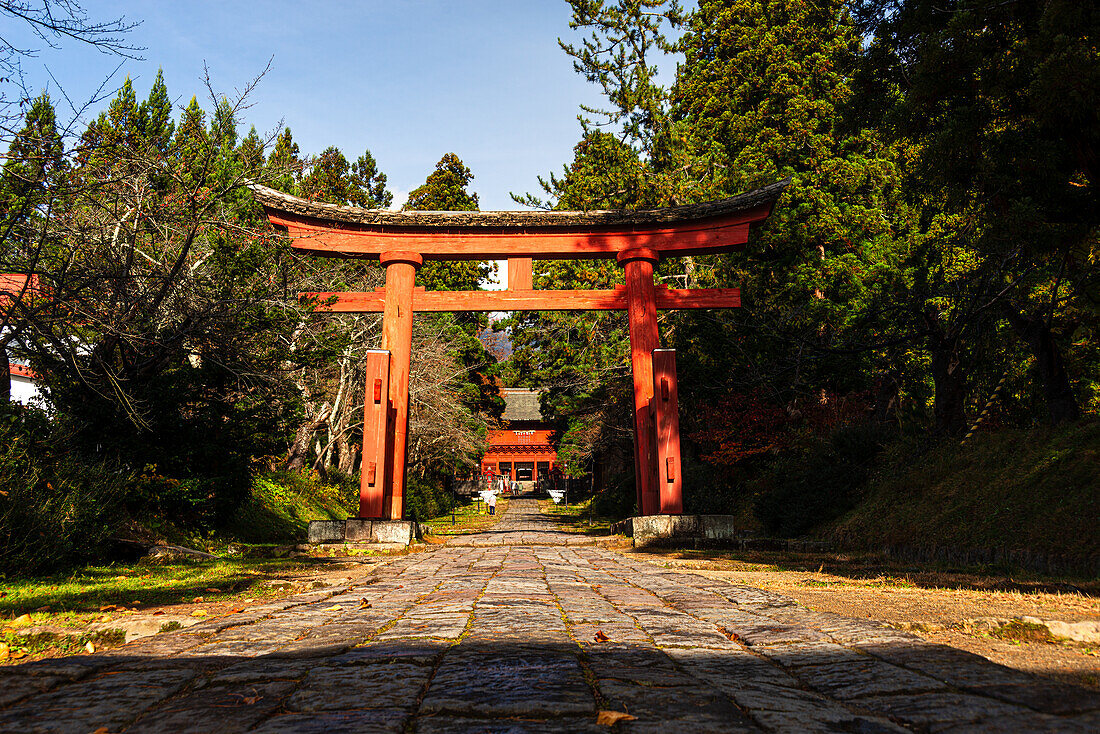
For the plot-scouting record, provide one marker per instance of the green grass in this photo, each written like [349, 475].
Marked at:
[469, 517]
[578, 517]
[1036, 489]
[281, 505]
[67, 600]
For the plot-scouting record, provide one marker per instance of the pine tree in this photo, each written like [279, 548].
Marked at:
[283, 164]
[445, 188]
[223, 125]
[251, 152]
[764, 87]
[35, 159]
[328, 178]
[368, 184]
[191, 146]
[1001, 105]
[156, 115]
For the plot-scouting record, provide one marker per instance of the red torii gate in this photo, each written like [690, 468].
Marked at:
[401, 241]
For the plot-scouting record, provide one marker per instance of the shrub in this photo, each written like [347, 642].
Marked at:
[617, 499]
[799, 493]
[426, 497]
[55, 509]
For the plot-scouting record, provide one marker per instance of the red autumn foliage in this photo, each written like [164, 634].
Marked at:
[740, 426]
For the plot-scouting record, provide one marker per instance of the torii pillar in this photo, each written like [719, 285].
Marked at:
[397, 324]
[641, 309]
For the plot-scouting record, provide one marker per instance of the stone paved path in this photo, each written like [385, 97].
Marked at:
[534, 638]
[523, 524]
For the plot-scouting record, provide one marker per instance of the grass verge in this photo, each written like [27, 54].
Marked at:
[578, 517]
[470, 517]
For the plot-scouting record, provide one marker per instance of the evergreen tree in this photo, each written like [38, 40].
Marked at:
[763, 87]
[445, 188]
[368, 184]
[1001, 105]
[156, 115]
[328, 178]
[35, 159]
[223, 125]
[251, 152]
[191, 145]
[283, 164]
[445, 191]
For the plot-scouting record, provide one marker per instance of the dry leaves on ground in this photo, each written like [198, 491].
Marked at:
[610, 718]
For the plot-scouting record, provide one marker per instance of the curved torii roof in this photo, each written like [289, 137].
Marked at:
[346, 231]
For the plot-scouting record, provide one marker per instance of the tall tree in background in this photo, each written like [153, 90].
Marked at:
[161, 340]
[762, 91]
[1002, 101]
[33, 171]
[445, 189]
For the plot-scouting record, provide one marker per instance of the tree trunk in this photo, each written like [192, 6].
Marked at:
[349, 453]
[299, 450]
[1057, 390]
[948, 377]
[887, 395]
[5, 375]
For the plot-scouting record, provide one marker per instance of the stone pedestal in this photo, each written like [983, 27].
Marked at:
[364, 532]
[692, 531]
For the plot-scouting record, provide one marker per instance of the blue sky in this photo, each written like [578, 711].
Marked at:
[408, 79]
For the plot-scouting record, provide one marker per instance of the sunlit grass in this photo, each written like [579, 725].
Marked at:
[70, 599]
[577, 517]
[472, 517]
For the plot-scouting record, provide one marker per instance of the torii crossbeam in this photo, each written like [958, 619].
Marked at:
[401, 241]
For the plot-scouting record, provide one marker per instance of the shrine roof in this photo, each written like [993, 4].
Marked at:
[277, 201]
[521, 404]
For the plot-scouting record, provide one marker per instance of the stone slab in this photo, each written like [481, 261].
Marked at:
[326, 531]
[388, 533]
[696, 530]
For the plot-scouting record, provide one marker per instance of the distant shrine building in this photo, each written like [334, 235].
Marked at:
[521, 448]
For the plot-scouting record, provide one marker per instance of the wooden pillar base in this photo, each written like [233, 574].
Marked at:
[374, 472]
[667, 417]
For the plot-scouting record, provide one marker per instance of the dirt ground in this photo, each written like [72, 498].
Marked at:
[944, 607]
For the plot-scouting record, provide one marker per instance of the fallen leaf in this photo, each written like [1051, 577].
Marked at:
[108, 607]
[23, 620]
[198, 613]
[137, 601]
[600, 636]
[159, 611]
[102, 730]
[89, 647]
[198, 600]
[333, 608]
[4, 651]
[249, 700]
[213, 591]
[610, 718]
[364, 604]
[106, 618]
[17, 655]
[236, 610]
[248, 601]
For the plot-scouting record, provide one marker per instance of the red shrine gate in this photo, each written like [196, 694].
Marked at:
[401, 241]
